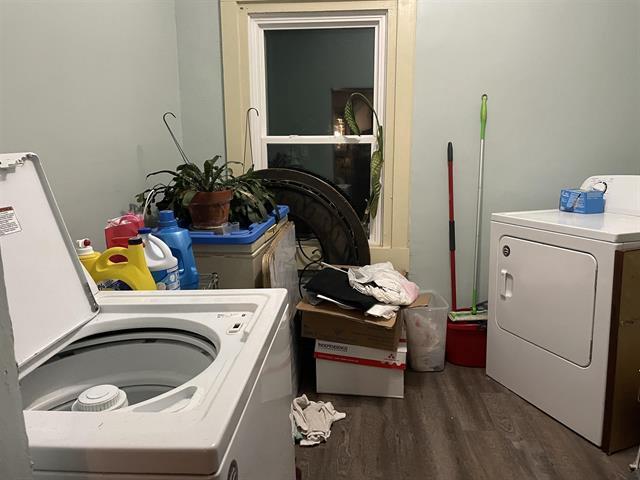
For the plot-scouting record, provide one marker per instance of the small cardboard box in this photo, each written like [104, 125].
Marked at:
[355, 370]
[581, 201]
[334, 324]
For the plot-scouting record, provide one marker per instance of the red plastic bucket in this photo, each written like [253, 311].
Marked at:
[466, 344]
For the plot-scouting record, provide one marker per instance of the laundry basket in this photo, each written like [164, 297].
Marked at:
[427, 334]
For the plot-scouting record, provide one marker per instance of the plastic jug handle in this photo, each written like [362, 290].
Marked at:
[164, 248]
[104, 261]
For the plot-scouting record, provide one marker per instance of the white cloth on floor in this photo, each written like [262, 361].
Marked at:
[314, 419]
[385, 284]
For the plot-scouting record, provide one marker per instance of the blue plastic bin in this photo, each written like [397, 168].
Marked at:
[241, 237]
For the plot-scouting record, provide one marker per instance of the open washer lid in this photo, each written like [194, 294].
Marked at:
[48, 295]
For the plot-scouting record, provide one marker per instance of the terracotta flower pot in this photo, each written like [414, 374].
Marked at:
[210, 209]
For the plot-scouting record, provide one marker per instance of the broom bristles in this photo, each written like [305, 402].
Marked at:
[467, 316]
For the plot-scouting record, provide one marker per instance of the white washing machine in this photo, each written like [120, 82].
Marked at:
[564, 312]
[138, 385]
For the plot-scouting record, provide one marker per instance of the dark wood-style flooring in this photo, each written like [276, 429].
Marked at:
[455, 424]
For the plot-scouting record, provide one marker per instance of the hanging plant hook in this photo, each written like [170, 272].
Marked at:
[175, 140]
[247, 130]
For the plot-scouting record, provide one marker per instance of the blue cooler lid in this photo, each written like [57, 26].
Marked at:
[241, 237]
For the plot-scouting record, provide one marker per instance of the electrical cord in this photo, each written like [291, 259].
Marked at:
[303, 252]
[310, 262]
[302, 272]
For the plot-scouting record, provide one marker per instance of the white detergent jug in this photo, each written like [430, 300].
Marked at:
[162, 264]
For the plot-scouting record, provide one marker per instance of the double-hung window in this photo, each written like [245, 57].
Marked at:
[304, 67]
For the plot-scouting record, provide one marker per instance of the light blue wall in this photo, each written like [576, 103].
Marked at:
[563, 80]
[84, 85]
[200, 70]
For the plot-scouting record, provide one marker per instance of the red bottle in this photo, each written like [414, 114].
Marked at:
[120, 229]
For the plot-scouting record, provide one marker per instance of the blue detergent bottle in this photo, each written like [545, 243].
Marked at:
[179, 241]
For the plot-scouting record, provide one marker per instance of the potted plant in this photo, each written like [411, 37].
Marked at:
[377, 157]
[206, 197]
[209, 202]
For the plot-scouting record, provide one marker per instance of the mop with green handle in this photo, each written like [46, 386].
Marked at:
[476, 314]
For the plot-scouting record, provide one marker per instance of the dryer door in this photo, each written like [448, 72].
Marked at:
[546, 296]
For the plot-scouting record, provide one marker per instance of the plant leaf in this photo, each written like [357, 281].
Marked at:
[187, 197]
[218, 170]
[350, 117]
[193, 176]
[170, 172]
[377, 158]
[208, 170]
[376, 166]
[376, 173]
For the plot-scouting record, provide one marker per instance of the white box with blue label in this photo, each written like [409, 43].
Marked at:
[581, 201]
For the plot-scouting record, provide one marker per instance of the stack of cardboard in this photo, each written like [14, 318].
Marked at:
[357, 354]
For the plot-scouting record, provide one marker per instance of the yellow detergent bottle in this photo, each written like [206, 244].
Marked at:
[134, 272]
[86, 253]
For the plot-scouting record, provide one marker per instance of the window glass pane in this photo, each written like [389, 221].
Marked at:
[347, 166]
[310, 73]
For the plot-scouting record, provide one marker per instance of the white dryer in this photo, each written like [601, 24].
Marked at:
[564, 312]
[138, 385]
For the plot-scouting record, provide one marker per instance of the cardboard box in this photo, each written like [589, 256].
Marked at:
[581, 201]
[334, 324]
[356, 354]
[355, 370]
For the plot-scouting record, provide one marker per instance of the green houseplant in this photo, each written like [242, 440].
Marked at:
[377, 157]
[207, 197]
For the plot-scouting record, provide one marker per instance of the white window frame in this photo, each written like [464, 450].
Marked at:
[261, 22]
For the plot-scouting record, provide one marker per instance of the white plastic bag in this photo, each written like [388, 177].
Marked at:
[427, 334]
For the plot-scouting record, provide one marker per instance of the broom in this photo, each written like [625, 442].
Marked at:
[476, 314]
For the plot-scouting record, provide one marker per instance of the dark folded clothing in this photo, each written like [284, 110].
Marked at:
[334, 284]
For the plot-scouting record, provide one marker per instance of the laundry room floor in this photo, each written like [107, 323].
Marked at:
[455, 424]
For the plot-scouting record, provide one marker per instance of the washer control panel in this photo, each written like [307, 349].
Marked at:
[236, 321]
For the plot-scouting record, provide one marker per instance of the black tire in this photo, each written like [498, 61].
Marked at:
[317, 207]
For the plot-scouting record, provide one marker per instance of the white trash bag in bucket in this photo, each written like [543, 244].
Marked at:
[427, 334]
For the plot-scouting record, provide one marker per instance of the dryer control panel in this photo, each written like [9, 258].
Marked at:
[622, 193]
